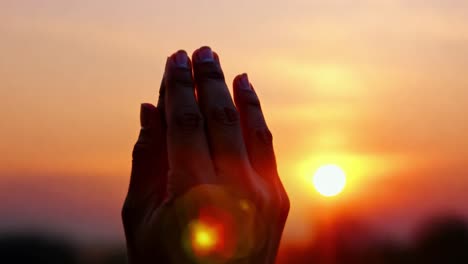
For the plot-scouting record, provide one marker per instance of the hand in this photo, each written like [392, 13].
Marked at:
[204, 186]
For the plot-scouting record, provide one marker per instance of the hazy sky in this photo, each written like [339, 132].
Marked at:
[376, 87]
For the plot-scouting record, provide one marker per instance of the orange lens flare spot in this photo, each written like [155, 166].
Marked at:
[219, 230]
[244, 205]
[204, 237]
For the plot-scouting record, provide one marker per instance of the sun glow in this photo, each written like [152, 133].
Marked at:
[329, 180]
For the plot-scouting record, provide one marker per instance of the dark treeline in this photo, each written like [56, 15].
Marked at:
[442, 240]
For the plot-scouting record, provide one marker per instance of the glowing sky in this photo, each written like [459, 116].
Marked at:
[377, 87]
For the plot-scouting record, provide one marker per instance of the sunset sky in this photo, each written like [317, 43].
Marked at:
[378, 87]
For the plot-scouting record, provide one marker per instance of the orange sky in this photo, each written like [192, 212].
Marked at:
[377, 87]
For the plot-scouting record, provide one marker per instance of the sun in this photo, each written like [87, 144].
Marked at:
[329, 180]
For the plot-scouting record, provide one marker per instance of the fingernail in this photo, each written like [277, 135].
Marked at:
[145, 115]
[205, 54]
[244, 82]
[181, 59]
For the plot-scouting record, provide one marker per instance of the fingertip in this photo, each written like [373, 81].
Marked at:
[242, 88]
[147, 111]
[180, 59]
[147, 106]
[206, 65]
[241, 81]
[203, 54]
[236, 80]
[216, 57]
[178, 69]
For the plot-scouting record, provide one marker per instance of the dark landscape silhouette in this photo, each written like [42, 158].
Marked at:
[440, 240]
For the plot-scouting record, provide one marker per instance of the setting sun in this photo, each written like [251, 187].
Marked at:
[329, 180]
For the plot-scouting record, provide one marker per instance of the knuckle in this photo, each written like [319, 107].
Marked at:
[142, 151]
[129, 218]
[249, 98]
[148, 140]
[226, 116]
[188, 119]
[285, 205]
[208, 71]
[264, 135]
[179, 77]
[126, 211]
[284, 202]
[279, 201]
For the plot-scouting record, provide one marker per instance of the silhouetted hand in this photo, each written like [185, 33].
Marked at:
[204, 186]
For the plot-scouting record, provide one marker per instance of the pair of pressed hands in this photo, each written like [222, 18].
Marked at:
[202, 157]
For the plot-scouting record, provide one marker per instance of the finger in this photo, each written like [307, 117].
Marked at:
[149, 165]
[222, 119]
[258, 139]
[259, 142]
[148, 176]
[257, 136]
[188, 152]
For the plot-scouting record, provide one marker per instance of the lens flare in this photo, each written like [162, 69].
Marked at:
[210, 234]
[217, 226]
[204, 238]
[244, 205]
